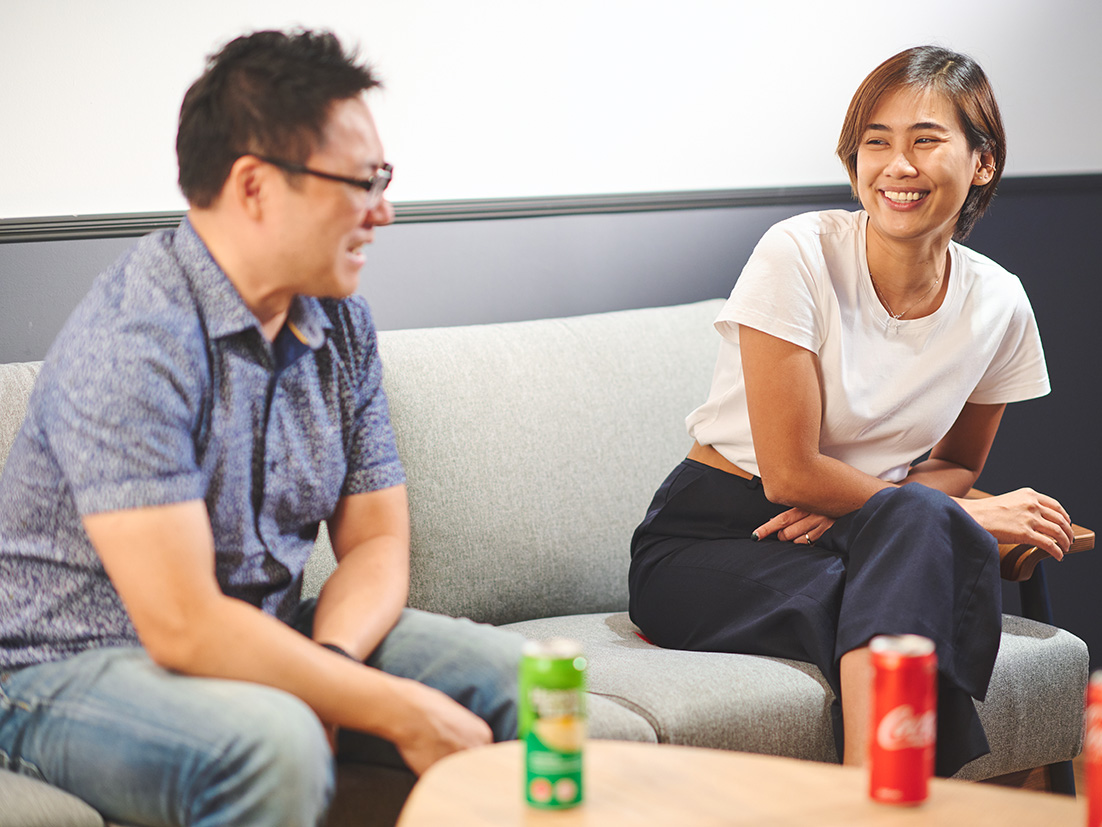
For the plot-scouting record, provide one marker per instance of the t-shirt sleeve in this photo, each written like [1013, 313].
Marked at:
[372, 453]
[777, 291]
[1018, 370]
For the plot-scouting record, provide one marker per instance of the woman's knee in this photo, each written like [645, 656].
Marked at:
[917, 518]
[929, 507]
[916, 510]
[917, 501]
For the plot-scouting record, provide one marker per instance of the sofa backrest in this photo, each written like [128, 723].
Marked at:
[532, 451]
[16, 382]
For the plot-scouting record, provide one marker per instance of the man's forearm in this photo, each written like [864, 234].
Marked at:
[363, 598]
[233, 640]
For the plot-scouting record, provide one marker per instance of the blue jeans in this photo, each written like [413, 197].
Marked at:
[147, 746]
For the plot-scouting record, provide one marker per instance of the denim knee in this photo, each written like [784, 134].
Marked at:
[275, 768]
[488, 659]
[473, 663]
[499, 688]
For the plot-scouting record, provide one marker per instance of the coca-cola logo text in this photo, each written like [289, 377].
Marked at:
[903, 729]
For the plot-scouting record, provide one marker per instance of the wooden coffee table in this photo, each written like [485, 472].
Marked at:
[649, 784]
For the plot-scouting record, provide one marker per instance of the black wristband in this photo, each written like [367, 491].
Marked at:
[332, 647]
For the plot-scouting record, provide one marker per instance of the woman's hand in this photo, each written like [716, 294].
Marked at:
[1024, 516]
[796, 525]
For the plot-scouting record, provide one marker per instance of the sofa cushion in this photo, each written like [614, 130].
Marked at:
[781, 707]
[27, 802]
[705, 699]
[613, 720]
[1033, 714]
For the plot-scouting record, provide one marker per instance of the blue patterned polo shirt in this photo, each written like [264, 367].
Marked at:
[162, 389]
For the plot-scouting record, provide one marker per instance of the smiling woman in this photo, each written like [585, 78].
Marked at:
[801, 524]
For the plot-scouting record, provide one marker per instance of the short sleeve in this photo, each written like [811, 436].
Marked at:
[120, 419]
[778, 291]
[1018, 370]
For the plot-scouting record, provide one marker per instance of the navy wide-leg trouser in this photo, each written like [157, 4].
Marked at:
[910, 561]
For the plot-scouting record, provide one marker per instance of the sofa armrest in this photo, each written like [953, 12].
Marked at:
[1017, 562]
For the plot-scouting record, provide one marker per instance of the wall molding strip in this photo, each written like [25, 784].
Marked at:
[75, 227]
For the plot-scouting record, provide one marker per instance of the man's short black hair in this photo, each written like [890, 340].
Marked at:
[267, 93]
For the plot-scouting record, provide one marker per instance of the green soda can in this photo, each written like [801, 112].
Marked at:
[552, 722]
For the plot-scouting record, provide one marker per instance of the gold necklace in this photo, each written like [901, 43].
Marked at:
[897, 316]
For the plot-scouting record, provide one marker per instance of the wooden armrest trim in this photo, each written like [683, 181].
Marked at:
[1017, 562]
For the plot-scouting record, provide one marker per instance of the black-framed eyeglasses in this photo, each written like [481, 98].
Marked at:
[373, 186]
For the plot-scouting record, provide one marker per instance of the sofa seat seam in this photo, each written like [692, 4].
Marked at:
[642, 712]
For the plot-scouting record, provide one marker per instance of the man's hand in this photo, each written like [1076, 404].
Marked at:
[436, 727]
[1024, 516]
[796, 525]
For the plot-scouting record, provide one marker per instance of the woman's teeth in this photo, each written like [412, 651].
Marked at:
[904, 197]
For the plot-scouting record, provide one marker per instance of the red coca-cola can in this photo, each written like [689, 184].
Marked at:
[904, 718]
[1092, 751]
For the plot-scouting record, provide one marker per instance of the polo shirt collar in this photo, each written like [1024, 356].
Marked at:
[309, 322]
[223, 309]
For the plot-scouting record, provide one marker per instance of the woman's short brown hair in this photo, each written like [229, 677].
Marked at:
[962, 82]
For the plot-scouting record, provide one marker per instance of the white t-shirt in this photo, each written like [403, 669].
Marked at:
[891, 389]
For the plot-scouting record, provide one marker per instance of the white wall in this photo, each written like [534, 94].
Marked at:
[498, 98]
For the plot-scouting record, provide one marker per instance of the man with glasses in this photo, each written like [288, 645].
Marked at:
[214, 397]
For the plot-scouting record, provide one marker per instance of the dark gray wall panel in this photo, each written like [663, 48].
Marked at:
[1054, 444]
[40, 284]
[434, 273]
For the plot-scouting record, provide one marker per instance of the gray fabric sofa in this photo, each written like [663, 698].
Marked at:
[532, 451]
